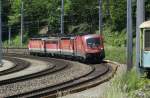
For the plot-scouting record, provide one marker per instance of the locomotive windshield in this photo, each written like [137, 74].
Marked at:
[91, 42]
[147, 40]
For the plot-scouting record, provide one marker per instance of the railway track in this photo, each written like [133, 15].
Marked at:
[96, 74]
[16, 66]
[24, 65]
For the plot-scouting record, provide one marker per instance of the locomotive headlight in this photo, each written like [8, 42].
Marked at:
[102, 48]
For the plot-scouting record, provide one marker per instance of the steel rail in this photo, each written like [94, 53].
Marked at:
[101, 73]
[16, 67]
[47, 71]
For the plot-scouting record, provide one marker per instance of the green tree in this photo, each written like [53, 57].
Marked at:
[118, 14]
[14, 14]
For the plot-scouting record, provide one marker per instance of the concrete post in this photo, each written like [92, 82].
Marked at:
[100, 17]
[62, 16]
[9, 36]
[129, 36]
[22, 22]
[0, 33]
[139, 19]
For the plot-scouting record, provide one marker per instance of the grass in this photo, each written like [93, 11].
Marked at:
[129, 86]
[117, 54]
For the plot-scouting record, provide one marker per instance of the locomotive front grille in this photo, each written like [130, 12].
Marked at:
[147, 40]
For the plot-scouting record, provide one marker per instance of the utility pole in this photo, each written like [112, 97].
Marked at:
[22, 22]
[38, 25]
[1, 63]
[62, 16]
[100, 17]
[129, 36]
[139, 19]
[9, 36]
[108, 8]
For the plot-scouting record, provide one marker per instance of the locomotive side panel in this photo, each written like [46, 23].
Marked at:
[66, 46]
[52, 47]
[79, 48]
[36, 46]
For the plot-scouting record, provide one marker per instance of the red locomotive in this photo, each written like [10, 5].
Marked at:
[82, 47]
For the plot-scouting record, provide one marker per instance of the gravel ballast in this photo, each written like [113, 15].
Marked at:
[35, 67]
[75, 70]
[98, 91]
[6, 65]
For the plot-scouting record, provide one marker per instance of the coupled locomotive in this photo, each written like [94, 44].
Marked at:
[82, 47]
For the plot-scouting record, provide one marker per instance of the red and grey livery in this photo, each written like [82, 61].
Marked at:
[80, 46]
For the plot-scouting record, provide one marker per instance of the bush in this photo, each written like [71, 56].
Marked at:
[117, 54]
[117, 39]
[127, 86]
[15, 42]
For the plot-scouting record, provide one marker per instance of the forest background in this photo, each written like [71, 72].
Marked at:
[81, 16]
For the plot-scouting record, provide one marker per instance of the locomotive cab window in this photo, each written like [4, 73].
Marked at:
[93, 42]
[147, 40]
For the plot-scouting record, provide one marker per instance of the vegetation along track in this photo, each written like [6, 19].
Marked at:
[99, 74]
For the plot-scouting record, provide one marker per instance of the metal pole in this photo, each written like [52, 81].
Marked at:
[62, 16]
[108, 9]
[139, 19]
[38, 25]
[129, 36]
[0, 33]
[22, 22]
[9, 36]
[100, 17]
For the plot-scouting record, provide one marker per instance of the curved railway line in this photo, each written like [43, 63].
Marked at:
[62, 76]
[16, 66]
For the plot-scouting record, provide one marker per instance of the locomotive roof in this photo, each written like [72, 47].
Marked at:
[38, 38]
[71, 36]
[52, 38]
[145, 24]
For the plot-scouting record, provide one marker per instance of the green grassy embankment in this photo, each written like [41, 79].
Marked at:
[128, 85]
[117, 54]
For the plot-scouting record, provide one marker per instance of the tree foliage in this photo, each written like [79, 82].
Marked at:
[80, 15]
